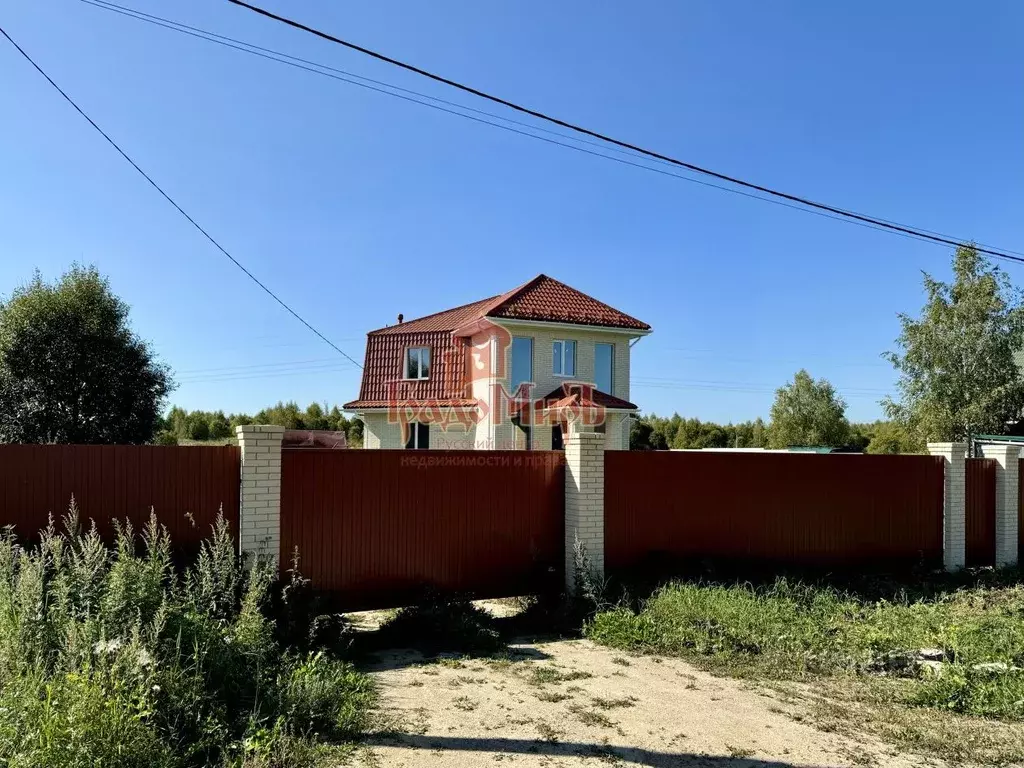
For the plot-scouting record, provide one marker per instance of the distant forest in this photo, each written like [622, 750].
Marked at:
[653, 432]
[201, 426]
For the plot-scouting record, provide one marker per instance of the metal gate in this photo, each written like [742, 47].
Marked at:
[373, 528]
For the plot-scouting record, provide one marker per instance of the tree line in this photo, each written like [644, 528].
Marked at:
[180, 424]
[658, 433]
[72, 370]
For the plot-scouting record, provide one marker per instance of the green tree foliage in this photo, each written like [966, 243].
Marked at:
[808, 412]
[654, 432]
[220, 427]
[197, 426]
[894, 437]
[71, 368]
[957, 372]
[180, 424]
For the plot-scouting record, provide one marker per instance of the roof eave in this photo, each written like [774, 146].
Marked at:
[632, 332]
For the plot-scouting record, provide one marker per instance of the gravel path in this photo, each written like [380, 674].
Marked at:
[572, 703]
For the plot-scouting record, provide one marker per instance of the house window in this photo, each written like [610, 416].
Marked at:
[417, 363]
[522, 361]
[564, 357]
[603, 357]
[419, 437]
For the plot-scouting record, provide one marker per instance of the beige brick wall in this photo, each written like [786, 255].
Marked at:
[954, 508]
[584, 500]
[498, 432]
[585, 338]
[546, 380]
[453, 437]
[379, 432]
[260, 513]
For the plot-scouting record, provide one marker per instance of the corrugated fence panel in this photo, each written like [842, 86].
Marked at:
[1020, 508]
[185, 486]
[980, 493]
[374, 527]
[796, 508]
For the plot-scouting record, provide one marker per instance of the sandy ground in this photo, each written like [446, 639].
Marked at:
[571, 703]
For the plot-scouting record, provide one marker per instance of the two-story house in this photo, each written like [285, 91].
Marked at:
[514, 371]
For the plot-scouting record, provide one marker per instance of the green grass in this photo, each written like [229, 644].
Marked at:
[109, 656]
[793, 630]
[545, 675]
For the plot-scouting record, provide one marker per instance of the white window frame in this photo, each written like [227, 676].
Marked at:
[560, 370]
[419, 363]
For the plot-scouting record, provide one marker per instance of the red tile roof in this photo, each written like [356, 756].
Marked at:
[582, 396]
[448, 320]
[546, 299]
[542, 298]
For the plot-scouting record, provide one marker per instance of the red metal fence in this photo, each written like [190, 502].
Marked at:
[121, 482]
[794, 508]
[374, 527]
[980, 493]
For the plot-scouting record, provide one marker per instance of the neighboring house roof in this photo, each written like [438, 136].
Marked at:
[541, 299]
[313, 438]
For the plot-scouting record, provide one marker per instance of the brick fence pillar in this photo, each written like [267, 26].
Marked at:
[1007, 477]
[584, 501]
[954, 505]
[260, 513]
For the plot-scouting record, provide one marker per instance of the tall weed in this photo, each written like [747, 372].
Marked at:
[109, 656]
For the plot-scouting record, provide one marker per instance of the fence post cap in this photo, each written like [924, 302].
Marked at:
[996, 449]
[271, 430]
[947, 447]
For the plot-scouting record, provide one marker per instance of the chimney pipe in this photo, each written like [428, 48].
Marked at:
[400, 318]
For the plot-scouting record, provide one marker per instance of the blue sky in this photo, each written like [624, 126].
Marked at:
[355, 206]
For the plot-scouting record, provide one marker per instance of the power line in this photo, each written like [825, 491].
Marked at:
[284, 364]
[337, 368]
[370, 84]
[169, 199]
[232, 42]
[802, 201]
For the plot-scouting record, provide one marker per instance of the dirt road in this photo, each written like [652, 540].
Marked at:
[572, 703]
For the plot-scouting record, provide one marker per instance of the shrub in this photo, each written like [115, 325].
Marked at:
[109, 656]
[442, 623]
[325, 697]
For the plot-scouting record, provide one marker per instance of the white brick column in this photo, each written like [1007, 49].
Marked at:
[1007, 478]
[260, 514]
[584, 500]
[954, 504]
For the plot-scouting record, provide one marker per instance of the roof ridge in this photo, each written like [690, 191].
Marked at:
[504, 298]
[500, 302]
[433, 314]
